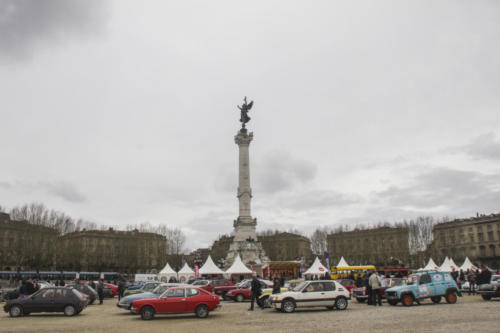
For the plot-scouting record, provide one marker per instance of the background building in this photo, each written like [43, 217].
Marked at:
[26, 246]
[112, 250]
[382, 246]
[477, 238]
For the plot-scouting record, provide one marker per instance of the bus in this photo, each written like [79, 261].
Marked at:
[345, 272]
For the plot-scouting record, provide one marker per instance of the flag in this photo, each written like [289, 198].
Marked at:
[327, 260]
[196, 271]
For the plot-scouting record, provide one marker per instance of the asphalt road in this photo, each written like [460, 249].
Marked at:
[470, 314]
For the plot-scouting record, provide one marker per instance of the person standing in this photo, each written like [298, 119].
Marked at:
[375, 284]
[100, 291]
[121, 289]
[256, 292]
[366, 284]
[276, 285]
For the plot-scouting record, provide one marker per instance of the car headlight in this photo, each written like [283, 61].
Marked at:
[276, 298]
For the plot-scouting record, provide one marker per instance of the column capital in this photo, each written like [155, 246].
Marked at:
[242, 138]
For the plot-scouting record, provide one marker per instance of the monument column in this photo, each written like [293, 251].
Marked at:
[244, 195]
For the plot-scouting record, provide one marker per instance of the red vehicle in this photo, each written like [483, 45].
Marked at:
[361, 295]
[177, 300]
[347, 283]
[216, 283]
[223, 291]
[243, 291]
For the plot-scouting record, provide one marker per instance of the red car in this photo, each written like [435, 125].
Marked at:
[347, 283]
[216, 283]
[177, 300]
[243, 291]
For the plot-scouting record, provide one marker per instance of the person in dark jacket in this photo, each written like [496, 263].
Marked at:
[121, 289]
[276, 285]
[256, 292]
[100, 291]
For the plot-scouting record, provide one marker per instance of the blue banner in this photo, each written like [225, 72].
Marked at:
[327, 260]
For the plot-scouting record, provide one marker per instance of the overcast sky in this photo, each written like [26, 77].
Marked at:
[121, 112]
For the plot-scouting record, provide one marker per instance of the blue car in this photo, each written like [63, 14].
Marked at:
[126, 302]
[419, 286]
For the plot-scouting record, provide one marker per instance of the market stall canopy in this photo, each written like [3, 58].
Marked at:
[238, 267]
[467, 265]
[185, 273]
[431, 265]
[342, 263]
[166, 273]
[209, 267]
[316, 268]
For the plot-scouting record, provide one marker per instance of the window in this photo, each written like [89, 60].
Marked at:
[482, 251]
[191, 292]
[329, 286]
[425, 278]
[46, 294]
[61, 293]
[175, 293]
[492, 250]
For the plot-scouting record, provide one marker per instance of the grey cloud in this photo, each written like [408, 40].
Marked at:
[279, 171]
[5, 185]
[26, 24]
[447, 189]
[64, 190]
[319, 199]
[485, 146]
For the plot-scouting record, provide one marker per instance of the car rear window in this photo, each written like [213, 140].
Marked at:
[78, 294]
[191, 292]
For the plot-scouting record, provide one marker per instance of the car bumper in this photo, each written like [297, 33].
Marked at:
[133, 310]
[486, 292]
[123, 306]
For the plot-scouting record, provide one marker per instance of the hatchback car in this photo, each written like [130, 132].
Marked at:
[177, 300]
[322, 293]
[58, 299]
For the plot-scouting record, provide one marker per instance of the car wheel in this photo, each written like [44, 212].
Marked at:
[451, 298]
[392, 302]
[147, 313]
[16, 311]
[202, 311]
[341, 303]
[239, 298]
[288, 306]
[407, 300]
[486, 297]
[436, 299]
[264, 301]
[360, 300]
[69, 310]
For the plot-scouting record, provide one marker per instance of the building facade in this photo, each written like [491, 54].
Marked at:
[477, 238]
[382, 246]
[112, 250]
[285, 246]
[26, 246]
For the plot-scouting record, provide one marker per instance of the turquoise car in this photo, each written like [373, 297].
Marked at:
[147, 287]
[126, 302]
[419, 286]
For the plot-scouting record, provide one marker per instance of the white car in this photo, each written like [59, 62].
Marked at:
[327, 293]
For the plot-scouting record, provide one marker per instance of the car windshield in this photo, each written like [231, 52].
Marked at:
[160, 289]
[300, 286]
[412, 279]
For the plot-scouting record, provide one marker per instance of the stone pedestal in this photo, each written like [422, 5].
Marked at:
[245, 239]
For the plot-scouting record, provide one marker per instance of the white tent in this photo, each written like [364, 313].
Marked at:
[166, 273]
[342, 263]
[316, 269]
[185, 273]
[444, 265]
[467, 265]
[453, 266]
[431, 265]
[209, 267]
[238, 267]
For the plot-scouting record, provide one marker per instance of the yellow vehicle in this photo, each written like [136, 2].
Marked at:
[264, 297]
[345, 272]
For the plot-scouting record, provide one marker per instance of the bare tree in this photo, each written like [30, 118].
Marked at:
[318, 241]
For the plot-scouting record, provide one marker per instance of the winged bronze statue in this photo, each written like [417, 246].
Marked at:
[244, 118]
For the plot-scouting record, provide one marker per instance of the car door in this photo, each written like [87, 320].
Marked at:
[174, 301]
[192, 299]
[41, 301]
[312, 295]
[425, 288]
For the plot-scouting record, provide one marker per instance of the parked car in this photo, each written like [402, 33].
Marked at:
[419, 286]
[177, 300]
[147, 287]
[55, 299]
[210, 286]
[86, 290]
[360, 293]
[322, 293]
[243, 291]
[347, 283]
[490, 290]
[126, 302]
